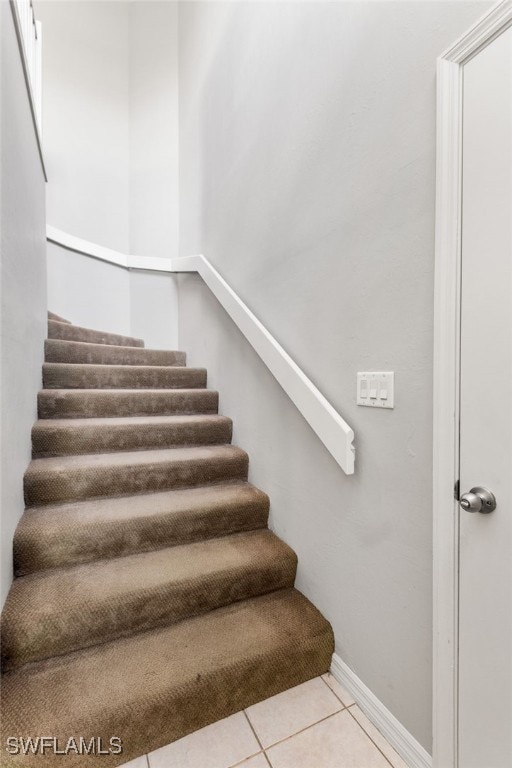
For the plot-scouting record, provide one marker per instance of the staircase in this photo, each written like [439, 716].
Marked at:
[150, 597]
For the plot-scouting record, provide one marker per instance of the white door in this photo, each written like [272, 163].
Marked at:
[485, 578]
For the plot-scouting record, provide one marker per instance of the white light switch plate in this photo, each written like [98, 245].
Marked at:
[376, 389]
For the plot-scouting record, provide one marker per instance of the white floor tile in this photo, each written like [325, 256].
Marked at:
[220, 745]
[337, 742]
[139, 762]
[338, 689]
[375, 735]
[289, 712]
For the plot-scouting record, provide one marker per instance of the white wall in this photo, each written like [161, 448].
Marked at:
[154, 189]
[307, 176]
[88, 292]
[153, 81]
[22, 285]
[110, 106]
[95, 294]
[154, 309]
[86, 119]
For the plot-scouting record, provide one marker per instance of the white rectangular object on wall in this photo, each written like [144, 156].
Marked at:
[376, 389]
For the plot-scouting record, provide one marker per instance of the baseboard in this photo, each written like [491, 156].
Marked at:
[400, 739]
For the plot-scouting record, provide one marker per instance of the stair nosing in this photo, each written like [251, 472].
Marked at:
[109, 421]
[124, 456]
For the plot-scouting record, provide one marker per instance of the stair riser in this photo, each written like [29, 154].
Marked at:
[60, 375]
[48, 441]
[38, 549]
[132, 613]
[67, 332]
[94, 482]
[55, 404]
[57, 351]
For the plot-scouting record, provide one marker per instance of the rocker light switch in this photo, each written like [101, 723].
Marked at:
[376, 389]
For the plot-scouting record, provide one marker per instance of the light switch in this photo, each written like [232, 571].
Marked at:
[376, 389]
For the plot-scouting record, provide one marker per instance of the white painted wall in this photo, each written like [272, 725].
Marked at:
[110, 105]
[88, 292]
[22, 285]
[307, 164]
[94, 294]
[86, 118]
[154, 309]
[153, 83]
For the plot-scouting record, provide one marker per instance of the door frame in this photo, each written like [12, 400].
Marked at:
[450, 67]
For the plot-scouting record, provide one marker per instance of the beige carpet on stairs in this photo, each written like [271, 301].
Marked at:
[150, 598]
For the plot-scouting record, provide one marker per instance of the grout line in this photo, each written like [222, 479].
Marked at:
[335, 694]
[147, 761]
[243, 762]
[373, 742]
[252, 729]
[267, 758]
[323, 719]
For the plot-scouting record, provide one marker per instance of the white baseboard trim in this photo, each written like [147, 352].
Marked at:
[399, 737]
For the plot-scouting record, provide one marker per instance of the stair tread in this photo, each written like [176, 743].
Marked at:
[134, 421]
[58, 329]
[81, 531]
[53, 612]
[107, 376]
[131, 458]
[96, 475]
[119, 391]
[65, 437]
[97, 403]
[62, 351]
[71, 344]
[154, 687]
[93, 424]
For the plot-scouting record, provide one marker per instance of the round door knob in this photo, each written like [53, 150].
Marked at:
[478, 500]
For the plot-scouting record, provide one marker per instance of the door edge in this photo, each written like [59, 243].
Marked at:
[450, 67]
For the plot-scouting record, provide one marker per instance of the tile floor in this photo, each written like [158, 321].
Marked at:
[315, 725]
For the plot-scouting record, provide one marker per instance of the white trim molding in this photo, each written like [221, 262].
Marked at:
[108, 255]
[392, 729]
[330, 427]
[446, 376]
[326, 422]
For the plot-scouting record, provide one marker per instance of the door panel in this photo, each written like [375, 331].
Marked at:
[485, 618]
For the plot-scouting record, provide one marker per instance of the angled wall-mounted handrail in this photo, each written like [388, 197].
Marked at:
[326, 422]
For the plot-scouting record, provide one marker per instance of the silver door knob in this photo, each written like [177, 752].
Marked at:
[478, 500]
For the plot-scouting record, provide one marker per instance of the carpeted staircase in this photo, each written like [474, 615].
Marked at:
[150, 597]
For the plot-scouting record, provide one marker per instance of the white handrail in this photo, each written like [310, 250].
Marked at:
[326, 422]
